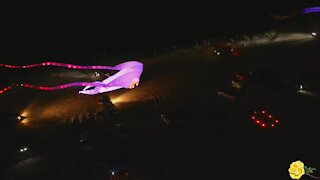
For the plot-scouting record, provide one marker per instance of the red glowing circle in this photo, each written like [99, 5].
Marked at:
[264, 119]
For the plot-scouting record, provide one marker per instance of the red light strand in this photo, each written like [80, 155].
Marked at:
[5, 89]
[264, 120]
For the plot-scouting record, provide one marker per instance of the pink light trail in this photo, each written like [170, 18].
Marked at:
[127, 77]
[70, 66]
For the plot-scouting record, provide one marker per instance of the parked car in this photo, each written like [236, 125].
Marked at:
[227, 50]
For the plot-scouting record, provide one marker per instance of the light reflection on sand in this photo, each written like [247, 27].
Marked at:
[62, 108]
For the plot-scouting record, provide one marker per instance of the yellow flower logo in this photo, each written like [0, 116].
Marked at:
[296, 170]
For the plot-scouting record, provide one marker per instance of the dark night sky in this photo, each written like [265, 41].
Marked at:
[72, 32]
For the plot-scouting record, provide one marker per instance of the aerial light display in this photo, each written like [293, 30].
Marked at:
[311, 10]
[264, 119]
[128, 76]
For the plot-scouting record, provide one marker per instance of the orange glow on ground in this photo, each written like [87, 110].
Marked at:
[64, 108]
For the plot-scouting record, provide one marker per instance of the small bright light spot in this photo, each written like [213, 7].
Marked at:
[263, 112]
[257, 121]
[23, 149]
[20, 118]
[263, 125]
[277, 121]
[112, 172]
[313, 34]
[272, 125]
[253, 117]
[270, 116]
[301, 87]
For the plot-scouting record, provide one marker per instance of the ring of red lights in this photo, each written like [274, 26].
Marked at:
[264, 119]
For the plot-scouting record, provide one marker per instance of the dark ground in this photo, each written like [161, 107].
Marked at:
[208, 137]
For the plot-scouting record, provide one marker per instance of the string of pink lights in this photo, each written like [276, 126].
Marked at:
[127, 77]
[5, 89]
[49, 88]
[70, 66]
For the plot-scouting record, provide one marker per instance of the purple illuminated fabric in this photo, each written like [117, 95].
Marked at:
[128, 76]
[296, 13]
[311, 10]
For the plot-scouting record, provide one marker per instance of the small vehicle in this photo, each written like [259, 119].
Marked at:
[232, 95]
[236, 84]
[164, 119]
[224, 51]
[118, 171]
[244, 81]
[84, 138]
[23, 149]
[227, 96]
